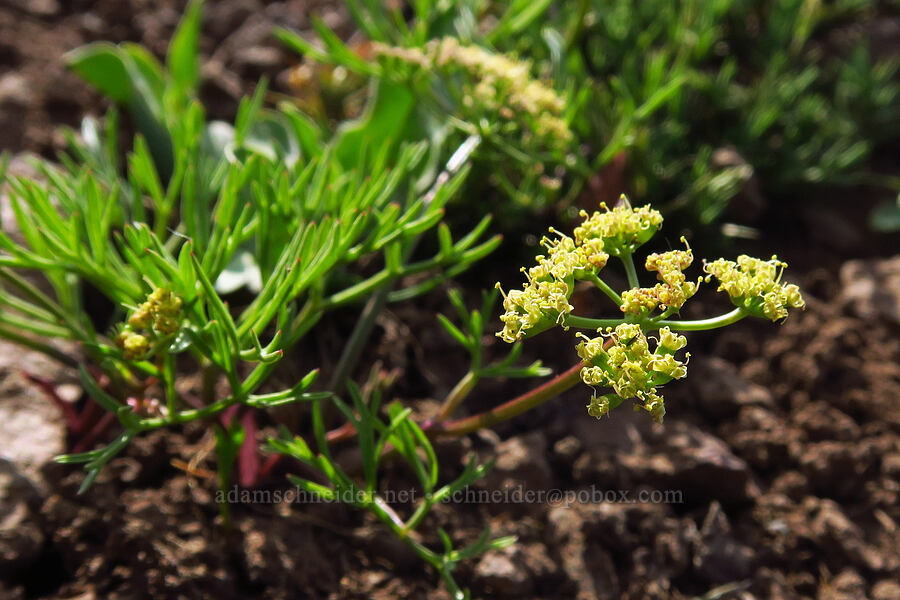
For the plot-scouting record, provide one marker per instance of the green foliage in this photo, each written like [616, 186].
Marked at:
[886, 217]
[158, 249]
[681, 102]
[200, 209]
[397, 433]
[155, 98]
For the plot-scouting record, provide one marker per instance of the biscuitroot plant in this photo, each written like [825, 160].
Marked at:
[631, 355]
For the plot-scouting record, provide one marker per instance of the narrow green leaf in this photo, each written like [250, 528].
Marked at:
[454, 332]
[182, 57]
[217, 308]
[97, 393]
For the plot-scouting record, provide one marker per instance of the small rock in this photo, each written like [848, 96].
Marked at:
[33, 430]
[871, 288]
[537, 560]
[886, 589]
[718, 556]
[578, 557]
[890, 465]
[223, 18]
[21, 537]
[837, 535]
[824, 422]
[773, 585]
[836, 468]
[568, 448]
[13, 593]
[699, 464]
[522, 461]
[38, 8]
[761, 437]
[500, 575]
[720, 391]
[791, 484]
[259, 57]
[14, 89]
[847, 585]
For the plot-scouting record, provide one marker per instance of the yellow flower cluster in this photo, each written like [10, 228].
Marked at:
[672, 292]
[755, 285]
[630, 368]
[621, 229]
[161, 314]
[161, 311]
[499, 84]
[134, 345]
[544, 299]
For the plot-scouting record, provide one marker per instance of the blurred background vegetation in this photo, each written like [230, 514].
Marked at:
[714, 111]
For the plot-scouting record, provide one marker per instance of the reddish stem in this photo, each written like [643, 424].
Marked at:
[507, 410]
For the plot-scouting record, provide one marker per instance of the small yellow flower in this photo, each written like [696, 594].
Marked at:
[142, 317]
[599, 406]
[639, 300]
[134, 345]
[671, 342]
[544, 299]
[161, 313]
[672, 292]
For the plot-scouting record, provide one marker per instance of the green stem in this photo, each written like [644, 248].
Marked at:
[256, 377]
[630, 270]
[576, 28]
[508, 410]
[358, 338]
[418, 515]
[459, 393]
[209, 374]
[402, 530]
[387, 514]
[358, 291]
[168, 372]
[305, 320]
[713, 323]
[604, 287]
[186, 416]
[666, 314]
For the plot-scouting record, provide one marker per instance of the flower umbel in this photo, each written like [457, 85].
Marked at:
[159, 315]
[496, 84]
[755, 285]
[626, 357]
[621, 229]
[630, 368]
[134, 345]
[544, 300]
[674, 289]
